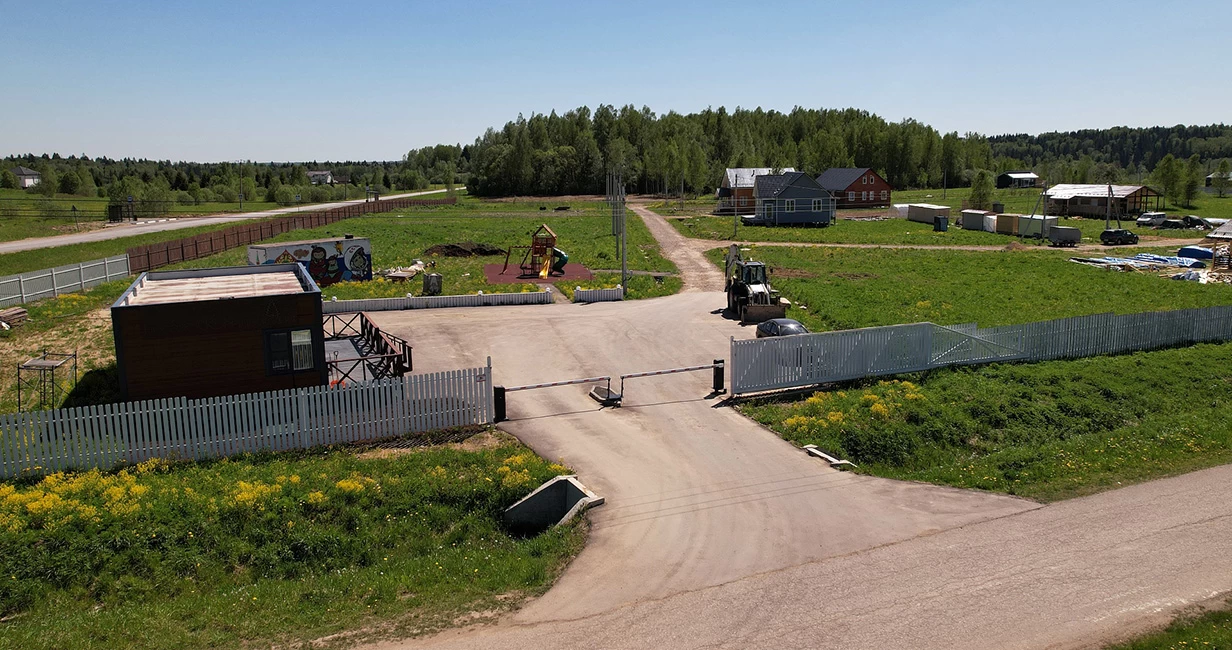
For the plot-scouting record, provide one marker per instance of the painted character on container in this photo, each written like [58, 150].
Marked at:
[335, 271]
[361, 265]
[318, 266]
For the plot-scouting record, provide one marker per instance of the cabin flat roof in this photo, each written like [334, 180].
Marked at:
[160, 291]
[200, 285]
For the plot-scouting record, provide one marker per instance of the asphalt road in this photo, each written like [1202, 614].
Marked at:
[716, 533]
[129, 230]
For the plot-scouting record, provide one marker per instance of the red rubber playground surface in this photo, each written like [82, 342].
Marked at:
[514, 275]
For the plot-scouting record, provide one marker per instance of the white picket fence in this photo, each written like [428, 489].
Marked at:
[118, 434]
[598, 295]
[432, 302]
[70, 278]
[810, 359]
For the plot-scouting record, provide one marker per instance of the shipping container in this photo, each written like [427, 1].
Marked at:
[341, 259]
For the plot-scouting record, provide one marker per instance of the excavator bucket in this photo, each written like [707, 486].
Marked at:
[759, 313]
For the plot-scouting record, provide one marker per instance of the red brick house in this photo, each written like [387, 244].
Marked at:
[856, 187]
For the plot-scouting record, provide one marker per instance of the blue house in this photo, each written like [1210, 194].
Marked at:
[792, 198]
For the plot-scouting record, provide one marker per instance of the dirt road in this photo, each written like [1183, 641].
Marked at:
[717, 533]
[129, 230]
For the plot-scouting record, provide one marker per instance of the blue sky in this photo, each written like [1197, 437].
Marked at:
[228, 80]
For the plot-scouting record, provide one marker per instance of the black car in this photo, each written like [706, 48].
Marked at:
[780, 327]
[1117, 236]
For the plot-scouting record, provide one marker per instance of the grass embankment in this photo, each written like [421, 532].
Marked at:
[833, 289]
[1045, 431]
[1209, 631]
[44, 258]
[402, 237]
[272, 549]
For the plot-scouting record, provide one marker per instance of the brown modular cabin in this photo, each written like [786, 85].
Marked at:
[856, 187]
[223, 331]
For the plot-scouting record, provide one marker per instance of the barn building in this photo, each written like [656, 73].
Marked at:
[735, 193]
[1091, 200]
[793, 198]
[856, 187]
[1017, 180]
[222, 331]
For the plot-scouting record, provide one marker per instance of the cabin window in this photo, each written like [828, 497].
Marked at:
[790, 206]
[851, 196]
[288, 351]
[863, 196]
[817, 205]
[744, 200]
[885, 196]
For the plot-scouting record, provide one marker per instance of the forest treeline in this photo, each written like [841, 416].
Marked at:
[572, 153]
[193, 183]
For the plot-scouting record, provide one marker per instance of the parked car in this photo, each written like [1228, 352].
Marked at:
[1117, 236]
[1151, 219]
[780, 327]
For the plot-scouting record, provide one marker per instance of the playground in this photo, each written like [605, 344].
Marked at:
[540, 261]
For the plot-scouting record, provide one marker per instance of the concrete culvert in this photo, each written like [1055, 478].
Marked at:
[554, 503]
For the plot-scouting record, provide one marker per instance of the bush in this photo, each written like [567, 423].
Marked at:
[285, 195]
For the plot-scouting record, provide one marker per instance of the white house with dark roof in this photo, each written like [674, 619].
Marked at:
[26, 177]
[321, 177]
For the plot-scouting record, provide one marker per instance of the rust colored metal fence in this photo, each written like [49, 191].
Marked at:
[153, 256]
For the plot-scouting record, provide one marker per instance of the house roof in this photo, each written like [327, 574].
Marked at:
[771, 185]
[24, 171]
[1021, 175]
[1065, 192]
[744, 176]
[323, 172]
[1214, 175]
[840, 178]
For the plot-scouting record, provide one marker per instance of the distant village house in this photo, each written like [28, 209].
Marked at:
[1017, 180]
[856, 187]
[735, 193]
[791, 198]
[26, 177]
[321, 178]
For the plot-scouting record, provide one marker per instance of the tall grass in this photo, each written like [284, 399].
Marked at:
[268, 548]
[1047, 431]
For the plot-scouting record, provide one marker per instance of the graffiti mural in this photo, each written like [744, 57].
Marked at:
[327, 261]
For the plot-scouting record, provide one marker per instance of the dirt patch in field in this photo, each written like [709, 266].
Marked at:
[791, 273]
[1014, 246]
[856, 276]
[464, 249]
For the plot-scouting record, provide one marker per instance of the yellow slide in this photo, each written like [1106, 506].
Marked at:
[547, 266]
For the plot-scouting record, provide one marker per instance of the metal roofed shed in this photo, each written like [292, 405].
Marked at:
[1017, 180]
[223, 331]
[1091, 200]
[972, 219]
[1035, 225]
[926, 212]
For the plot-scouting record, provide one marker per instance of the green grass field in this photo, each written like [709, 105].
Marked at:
[274, 549]
[892, 231]
[833, 288]
[1045, 431]
[1211, 631]
[400, 238]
